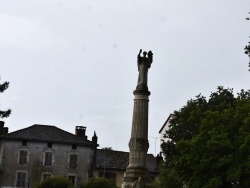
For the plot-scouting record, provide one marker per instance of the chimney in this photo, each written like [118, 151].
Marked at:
[80, 131]
[5, 130]
[94, 141]
[1, 127]
[158, 158]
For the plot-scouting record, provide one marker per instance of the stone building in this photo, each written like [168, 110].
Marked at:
[31, 155]
[112, 164]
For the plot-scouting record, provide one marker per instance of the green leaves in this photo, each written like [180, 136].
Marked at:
[55, 182]
[99, 183]
[3, 87]
[209, 142]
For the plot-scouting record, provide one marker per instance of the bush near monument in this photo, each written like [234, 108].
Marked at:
[55, 182]
[99, 183]
[209, 142]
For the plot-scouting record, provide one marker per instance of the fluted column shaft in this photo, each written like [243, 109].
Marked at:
[138, 143]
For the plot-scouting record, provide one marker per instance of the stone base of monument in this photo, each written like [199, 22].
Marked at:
[136, 177]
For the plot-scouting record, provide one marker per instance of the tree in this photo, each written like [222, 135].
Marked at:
[3, 87]
[55, 182]
[99, 183]
[247, 47]
[155, 184]
[247, 51]
[209, 142]
[107, 148]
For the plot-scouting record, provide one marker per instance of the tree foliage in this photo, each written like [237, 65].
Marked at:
[107, 148]
[247, 51]
[55, 182]
[209, 142]
[3, 87]
[247, 47]
[100, 183]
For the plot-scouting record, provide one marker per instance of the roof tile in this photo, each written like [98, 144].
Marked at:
[119, 160]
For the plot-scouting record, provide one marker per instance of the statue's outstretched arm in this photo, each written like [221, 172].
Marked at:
[140, 52]
[138, 59]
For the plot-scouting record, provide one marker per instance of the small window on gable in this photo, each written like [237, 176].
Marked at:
[74, 146]
[23, 157]
[73, 160]
[24, 142]
[48, 159]
[49, 145]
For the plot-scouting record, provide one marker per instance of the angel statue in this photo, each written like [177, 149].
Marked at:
[143, 63]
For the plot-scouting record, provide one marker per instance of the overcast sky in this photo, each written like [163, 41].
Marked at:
[74, 63]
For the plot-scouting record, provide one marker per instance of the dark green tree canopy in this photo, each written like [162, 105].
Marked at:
[3, 87]
[209, 142]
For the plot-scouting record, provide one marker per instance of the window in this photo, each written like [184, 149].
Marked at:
[48, 158]
[72, 178]
[23, 157]
[73, 161]
[24, 142]
[46, 175]
[21, 179]
[49, 145]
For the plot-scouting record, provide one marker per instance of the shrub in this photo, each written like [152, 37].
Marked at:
[55, 182]
[100, 183]
[155, 184]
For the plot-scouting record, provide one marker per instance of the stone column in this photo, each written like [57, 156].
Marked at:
[136, 175]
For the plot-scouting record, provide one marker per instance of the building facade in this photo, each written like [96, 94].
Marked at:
[31, 155]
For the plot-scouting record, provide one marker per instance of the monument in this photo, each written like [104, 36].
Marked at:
[137, 175]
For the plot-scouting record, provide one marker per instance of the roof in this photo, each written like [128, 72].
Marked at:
[118, 160]
[169, 117]
[46, 133]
